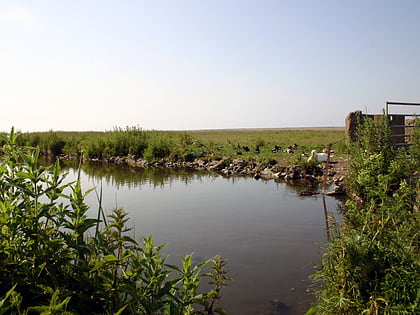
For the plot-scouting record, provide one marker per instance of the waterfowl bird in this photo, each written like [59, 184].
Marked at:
[275, 149]
[289, 150]
[318, 157]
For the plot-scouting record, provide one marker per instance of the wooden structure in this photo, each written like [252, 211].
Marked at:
[401, 126]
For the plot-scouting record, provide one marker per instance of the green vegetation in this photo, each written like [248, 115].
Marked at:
[185, 146]
[372, 264]
[54, 259]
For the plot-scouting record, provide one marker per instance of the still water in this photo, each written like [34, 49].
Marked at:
[271, 237]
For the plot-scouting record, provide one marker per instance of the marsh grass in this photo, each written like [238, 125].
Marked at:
[51, 263]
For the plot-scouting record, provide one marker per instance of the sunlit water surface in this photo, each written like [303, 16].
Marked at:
[271, 237]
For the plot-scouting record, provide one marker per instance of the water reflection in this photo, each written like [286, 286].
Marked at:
[122, 175]
[270, 235]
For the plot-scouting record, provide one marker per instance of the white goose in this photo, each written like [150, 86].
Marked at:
[318, 157]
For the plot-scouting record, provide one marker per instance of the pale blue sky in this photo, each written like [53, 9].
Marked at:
[94, 65]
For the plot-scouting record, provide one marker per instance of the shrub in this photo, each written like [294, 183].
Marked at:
[158, 148]
[371, 156]
[94, 147]
[73, 146]
[54, 143]
[29, 139]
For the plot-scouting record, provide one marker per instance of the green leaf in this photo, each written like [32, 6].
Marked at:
[3, 307]
[220, 310]
[109, 259]
[126, 238]
[313, 310]
[119, 312]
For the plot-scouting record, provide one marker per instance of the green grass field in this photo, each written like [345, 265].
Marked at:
[316, 138]
[190, 144]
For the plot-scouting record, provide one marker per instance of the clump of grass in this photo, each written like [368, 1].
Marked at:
[51, 263]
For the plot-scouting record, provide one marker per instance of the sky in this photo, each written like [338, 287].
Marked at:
[203, 64]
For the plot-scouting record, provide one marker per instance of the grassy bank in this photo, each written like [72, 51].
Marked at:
[372, 264]
[248, 144]
[54, 259]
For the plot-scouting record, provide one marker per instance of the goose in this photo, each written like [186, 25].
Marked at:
[318, 157]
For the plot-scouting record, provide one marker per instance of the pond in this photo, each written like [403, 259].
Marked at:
[271, 237]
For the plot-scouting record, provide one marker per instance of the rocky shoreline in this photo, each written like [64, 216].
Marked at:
[333, 173]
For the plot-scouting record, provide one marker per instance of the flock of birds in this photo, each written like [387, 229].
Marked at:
[314, 156]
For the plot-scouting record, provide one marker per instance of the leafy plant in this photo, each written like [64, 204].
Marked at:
[372, 264]
[51, 264]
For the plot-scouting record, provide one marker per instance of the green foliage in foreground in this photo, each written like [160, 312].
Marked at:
[372, 265]
[50, 264]
[184, 146]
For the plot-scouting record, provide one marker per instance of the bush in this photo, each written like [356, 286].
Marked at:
[54, 143]
[158, 148]
[29, 139]
[371, 156]
[94, 147]
[73, 146]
